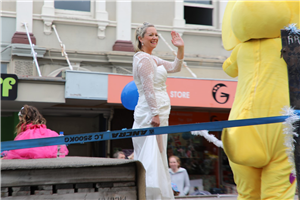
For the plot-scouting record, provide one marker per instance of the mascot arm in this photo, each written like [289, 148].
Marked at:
[230, 65]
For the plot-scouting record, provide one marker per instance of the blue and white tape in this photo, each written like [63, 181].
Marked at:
[129, 133]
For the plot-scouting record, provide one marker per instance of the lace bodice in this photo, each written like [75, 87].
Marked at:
[145, 68]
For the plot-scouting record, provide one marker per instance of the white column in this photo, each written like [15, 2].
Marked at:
[222, 6]
[179, 18]
[24, 11]
[179, 21]
[48, 8]
[101, 13]
[48, 13]
[102, 16]
[123, 20]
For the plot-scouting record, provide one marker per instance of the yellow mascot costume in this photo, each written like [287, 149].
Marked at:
[257, 154]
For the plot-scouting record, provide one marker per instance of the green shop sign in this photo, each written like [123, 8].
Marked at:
[9, 86]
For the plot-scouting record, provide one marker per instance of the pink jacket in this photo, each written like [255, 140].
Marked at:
[34, 131]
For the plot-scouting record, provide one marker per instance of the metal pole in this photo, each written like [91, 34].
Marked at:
[290, 52]
[32, 51]
[63, 47]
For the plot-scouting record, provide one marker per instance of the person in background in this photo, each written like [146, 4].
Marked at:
[119, 155]
[32, 125]
[179, 176]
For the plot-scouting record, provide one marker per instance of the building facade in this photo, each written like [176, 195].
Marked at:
[84, 52]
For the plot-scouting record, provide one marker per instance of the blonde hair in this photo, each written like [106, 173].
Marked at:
[177, 159]
[140, 32]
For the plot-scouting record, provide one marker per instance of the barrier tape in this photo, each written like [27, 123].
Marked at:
[129, 133]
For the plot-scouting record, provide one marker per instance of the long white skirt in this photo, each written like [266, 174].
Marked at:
[158, 181]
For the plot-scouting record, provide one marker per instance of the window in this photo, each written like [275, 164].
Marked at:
[74, 8]
[198, 12]
[3, 68]
[84, 6]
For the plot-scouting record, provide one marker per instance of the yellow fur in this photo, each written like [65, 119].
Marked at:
[257, 153]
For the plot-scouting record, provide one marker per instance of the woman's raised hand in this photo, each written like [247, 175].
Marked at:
[176, 39]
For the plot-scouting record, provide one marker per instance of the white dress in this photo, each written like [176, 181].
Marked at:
[150, 75]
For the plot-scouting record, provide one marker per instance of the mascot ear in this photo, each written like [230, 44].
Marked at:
[228, 37]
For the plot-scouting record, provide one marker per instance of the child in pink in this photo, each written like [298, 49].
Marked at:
[32, 125]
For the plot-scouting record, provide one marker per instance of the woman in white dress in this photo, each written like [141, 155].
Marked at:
[153, 108]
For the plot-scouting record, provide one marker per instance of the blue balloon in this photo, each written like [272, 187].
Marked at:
[130, 96]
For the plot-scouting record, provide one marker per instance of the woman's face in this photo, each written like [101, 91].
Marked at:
[173, 163]
[150, 39]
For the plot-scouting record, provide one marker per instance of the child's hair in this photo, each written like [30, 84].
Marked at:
[177, 159]
[29, 114]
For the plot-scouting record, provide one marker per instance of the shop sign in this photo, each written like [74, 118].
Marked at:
[183, 92]
[201, 93]
[9, 86]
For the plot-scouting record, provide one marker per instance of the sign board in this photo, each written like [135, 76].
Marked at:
[9, 86]
[183, 92]
[86, 85]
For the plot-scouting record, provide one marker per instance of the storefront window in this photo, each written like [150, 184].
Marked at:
[198, 157]
[206, 164]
